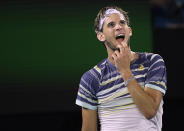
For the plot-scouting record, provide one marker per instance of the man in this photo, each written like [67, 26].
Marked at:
[125, 90]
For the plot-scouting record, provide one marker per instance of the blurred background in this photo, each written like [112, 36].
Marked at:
[46, 46]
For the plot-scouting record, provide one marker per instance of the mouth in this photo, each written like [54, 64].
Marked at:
[120, 38]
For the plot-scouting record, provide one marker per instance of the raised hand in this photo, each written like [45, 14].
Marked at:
[122, 58]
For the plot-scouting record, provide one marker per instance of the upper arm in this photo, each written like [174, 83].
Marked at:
[89, 120]
[86, 98]
[156, 95]
[156, 75]
[155, 85]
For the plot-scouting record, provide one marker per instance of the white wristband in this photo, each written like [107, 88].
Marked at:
[128, 81]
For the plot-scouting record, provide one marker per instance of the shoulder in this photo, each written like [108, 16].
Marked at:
[151, 57]
[95, 73]
[155, 64]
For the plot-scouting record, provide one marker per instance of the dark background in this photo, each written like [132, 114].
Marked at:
[46, 46]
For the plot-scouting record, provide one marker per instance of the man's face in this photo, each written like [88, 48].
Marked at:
[116, 30]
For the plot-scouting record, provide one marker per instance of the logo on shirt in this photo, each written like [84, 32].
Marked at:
[141, 67]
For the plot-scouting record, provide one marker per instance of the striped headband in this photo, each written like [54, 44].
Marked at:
[107, 13]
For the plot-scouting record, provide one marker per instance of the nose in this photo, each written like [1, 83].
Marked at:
[118, 27]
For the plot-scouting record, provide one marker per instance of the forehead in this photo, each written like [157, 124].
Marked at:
[114, 17]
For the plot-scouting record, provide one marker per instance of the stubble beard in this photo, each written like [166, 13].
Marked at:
[114, 48]
[111, 46]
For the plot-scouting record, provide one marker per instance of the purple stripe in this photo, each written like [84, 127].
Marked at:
[96, 73]
[86, 101]
[87, 94]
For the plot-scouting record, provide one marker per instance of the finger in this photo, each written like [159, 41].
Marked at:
[126, 47]
[120, 48]
[117, 53]
[124, 44]
[126, 40]
[114, 56]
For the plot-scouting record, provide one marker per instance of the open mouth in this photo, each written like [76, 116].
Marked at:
[120, 37]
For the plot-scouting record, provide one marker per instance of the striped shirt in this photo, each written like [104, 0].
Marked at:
[102, 88]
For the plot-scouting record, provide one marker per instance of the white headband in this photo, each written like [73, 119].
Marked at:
[107, 13]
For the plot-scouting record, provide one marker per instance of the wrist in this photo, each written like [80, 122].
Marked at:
[126, 74]
[129, 80]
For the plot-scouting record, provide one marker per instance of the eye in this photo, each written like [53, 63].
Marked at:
[111, 24]
[122, 22]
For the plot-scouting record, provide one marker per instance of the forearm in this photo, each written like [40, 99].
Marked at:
[142, 99]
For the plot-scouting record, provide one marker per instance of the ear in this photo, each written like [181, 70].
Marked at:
[101, 36]
[130, 31]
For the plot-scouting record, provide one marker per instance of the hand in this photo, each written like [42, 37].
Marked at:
[122, 59]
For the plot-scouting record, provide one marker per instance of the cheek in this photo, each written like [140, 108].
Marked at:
[130, 32]
[110, 38]
[109, 35]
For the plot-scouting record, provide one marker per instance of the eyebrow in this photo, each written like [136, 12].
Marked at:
[110, 22]
[123, 20]
[114, 22]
